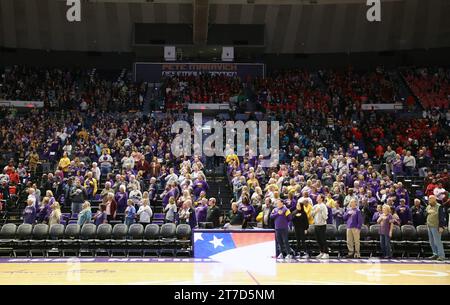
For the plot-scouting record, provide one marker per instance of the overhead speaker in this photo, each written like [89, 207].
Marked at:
[170, 53]
[227, 53]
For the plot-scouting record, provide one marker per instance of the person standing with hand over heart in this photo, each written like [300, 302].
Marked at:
[281, 216]
[354, 220]
[386, 221]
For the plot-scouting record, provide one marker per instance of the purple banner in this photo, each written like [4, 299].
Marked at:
[152, 72]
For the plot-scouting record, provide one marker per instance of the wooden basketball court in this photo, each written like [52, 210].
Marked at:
[189, 271]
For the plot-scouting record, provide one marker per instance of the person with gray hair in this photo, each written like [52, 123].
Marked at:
[436, 223]
[354, 219]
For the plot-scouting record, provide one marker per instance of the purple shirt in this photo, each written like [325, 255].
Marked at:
[281, 221]
[354, 220]
[201, 212]
[404, 213]
[121, 199]
[385, 225]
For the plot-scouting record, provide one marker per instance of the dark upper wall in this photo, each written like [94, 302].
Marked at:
[323, 28]
[313, 61]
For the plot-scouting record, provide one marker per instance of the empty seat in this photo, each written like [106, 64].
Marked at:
[151, 239]
[7, 234]
[22, 240]
[168, 238]
[39, 235]
[70, 240]
[103, 240]
[55, 236]
[135, 236]
[409, 240]
[119, 239]
[87, 238]
[368, 241]
[396, 241]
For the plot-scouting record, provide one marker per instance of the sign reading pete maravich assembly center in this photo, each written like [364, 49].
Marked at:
[152, 72]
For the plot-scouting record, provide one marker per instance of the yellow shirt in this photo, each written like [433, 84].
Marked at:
[94, 184]
[64, 163]
[331, 203]
[308, 209]
[252, 183]
[83, 134]
[292, 188]
[232, 157]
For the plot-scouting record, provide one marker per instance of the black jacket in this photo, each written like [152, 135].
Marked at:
[300, 219]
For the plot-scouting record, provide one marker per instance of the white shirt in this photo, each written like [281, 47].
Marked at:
[320, 213]
[439, 193]
[145, 213]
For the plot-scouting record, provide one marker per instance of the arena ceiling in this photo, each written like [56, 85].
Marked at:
[291, 26]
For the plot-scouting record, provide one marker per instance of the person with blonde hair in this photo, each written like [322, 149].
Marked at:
[64, 163]
[386, 221]
[55, 215]
[85, 214]
[170, 210]
[130, 213]
[145, 212]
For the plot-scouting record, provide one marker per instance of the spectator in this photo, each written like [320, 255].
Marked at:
[235, 217]
[410, 163]
[281, 216]
[202, 210]
[100, 217]
[266, 221]
[145, 213]
[377, 214]
[338, 215]
[90, 185]
[418, 213]
[354, 220]
[111, 206]
[121, 199]
[320, 214]
[301, 225]
[436, 224]
[170, 210]
[77, 196]
[64, 163]
[55, 216]
[439, 192]
[29, 213]
[130, 213]
[386, 221]
[85, 214]
[213, 213]
[247, 210]
[389, 157]
[404, 213]
[106, 162]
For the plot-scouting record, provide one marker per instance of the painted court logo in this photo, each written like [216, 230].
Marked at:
[189, 139]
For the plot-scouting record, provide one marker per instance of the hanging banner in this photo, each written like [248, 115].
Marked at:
[152, 72]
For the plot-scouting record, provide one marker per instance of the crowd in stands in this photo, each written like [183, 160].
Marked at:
[180, 90]
[70, 89]
[335, 160]
[430, 85]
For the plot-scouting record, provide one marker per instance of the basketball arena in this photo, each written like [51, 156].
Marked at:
[224, 142]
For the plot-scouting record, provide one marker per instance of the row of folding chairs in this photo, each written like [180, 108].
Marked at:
[90, 240]
[406, 241]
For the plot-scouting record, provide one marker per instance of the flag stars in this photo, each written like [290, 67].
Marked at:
[198, 236]
[217, 242]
